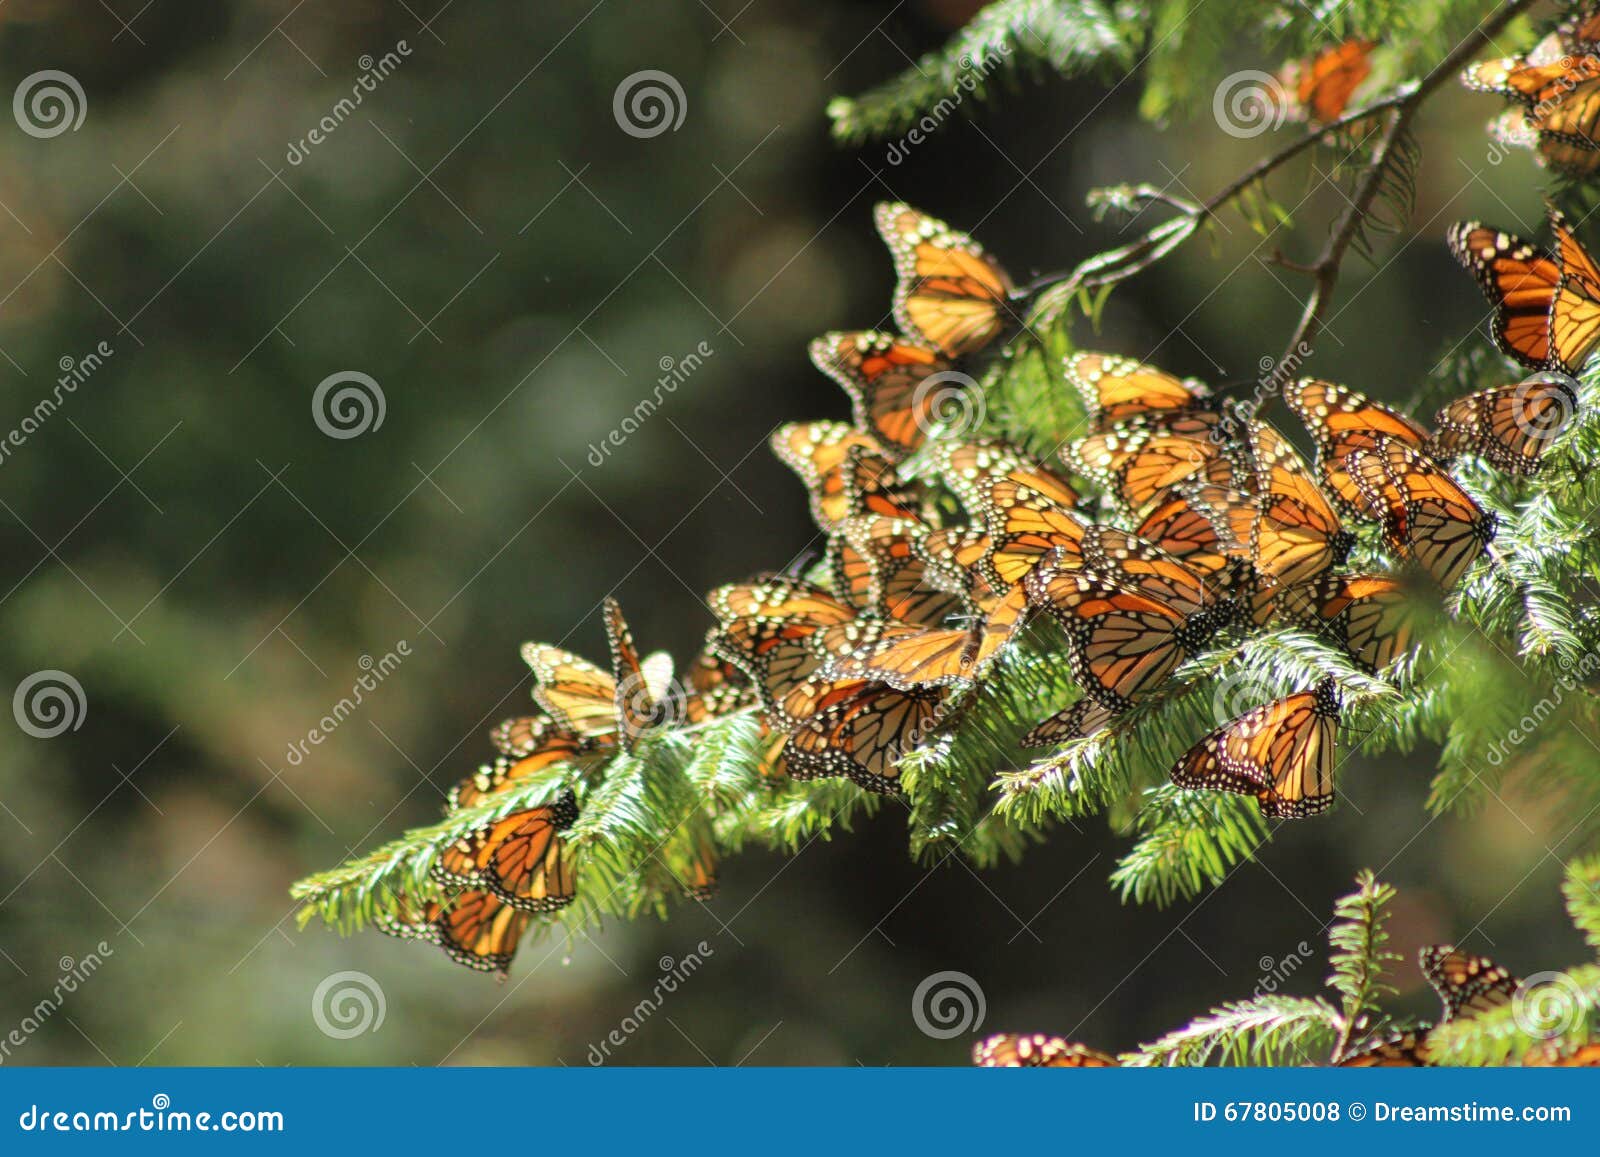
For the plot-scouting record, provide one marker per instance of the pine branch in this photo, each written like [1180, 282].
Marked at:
[1069, 37]
[1359, 959]
[1582, 890]
[1266, 1030]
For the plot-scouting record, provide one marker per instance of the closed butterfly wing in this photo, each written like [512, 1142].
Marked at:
[1115, 389]
[1427, 516]
[834, 461]
[1467, 984]
[577, 695]
[555, 752]
[861, 731]
[1521, 281]
[1368, 615]
[1342, 420]
[888, 381]
[1281, 753]
[949, 291]
[972, 469]
[1511, 426]
[1326, 83]
[1575, 314]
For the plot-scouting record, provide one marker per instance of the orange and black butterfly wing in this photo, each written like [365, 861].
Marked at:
[576, 694]
[1342, 420]
[1575, 314]
[1010, 1050]
[1521, 281]
[1282, 753]
[973, 468]
[632, 696]
[1467, 984]
[860, 731]
[1082, 719]
[481, 931]
[949, 292]
[1401, 1050]
[1510, 426]
[1427, 516]
[887, 379]
[1115, 389]
[817, 452]
[555, 751]
[1326, 84]
[1368, 615]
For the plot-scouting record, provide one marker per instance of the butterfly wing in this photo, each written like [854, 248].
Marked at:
[1508, 426]
[1282, 753]
[1521, 281]
[949, 291]
[884, 376]
[1115, 389]
[1009, 1050]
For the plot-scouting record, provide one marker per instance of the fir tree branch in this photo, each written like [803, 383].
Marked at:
[1359, 959]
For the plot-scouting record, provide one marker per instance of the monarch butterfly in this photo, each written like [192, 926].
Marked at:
[1024, 526]
[950, 558]
[1082, 719]
[1343, 421]
[1137, 462]
[860, 730]
[972, 469]
[875, 566]
[1368, 615]
[908, 657]
[1190, 531]
[1557, 99]
[1122, 644]
[555, 749]
[885, 378]
[1509, 427]
[716, 687]
[949, 291]
[1547, 305]
[1400, 1050]
[521, 735]
[1426, 515]
[619, 707]
[1324, 84]
[476, 928]
[1467, 984]
[844, 470]
[1009, 1050]
[521, 858]
[767, 631]
[1553, 1055]
[1281, 753]
[1115, 389]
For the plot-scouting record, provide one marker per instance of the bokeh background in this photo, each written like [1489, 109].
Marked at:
[483, 240]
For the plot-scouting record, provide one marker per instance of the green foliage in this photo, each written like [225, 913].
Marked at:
[1068, 36]
[1504, 681]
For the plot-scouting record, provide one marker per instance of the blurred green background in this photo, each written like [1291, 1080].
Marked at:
[482, 239]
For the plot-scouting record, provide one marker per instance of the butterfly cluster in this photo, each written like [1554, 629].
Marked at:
[1177, 520]
[504, 874]
[1554, 92]
[1468, 986]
